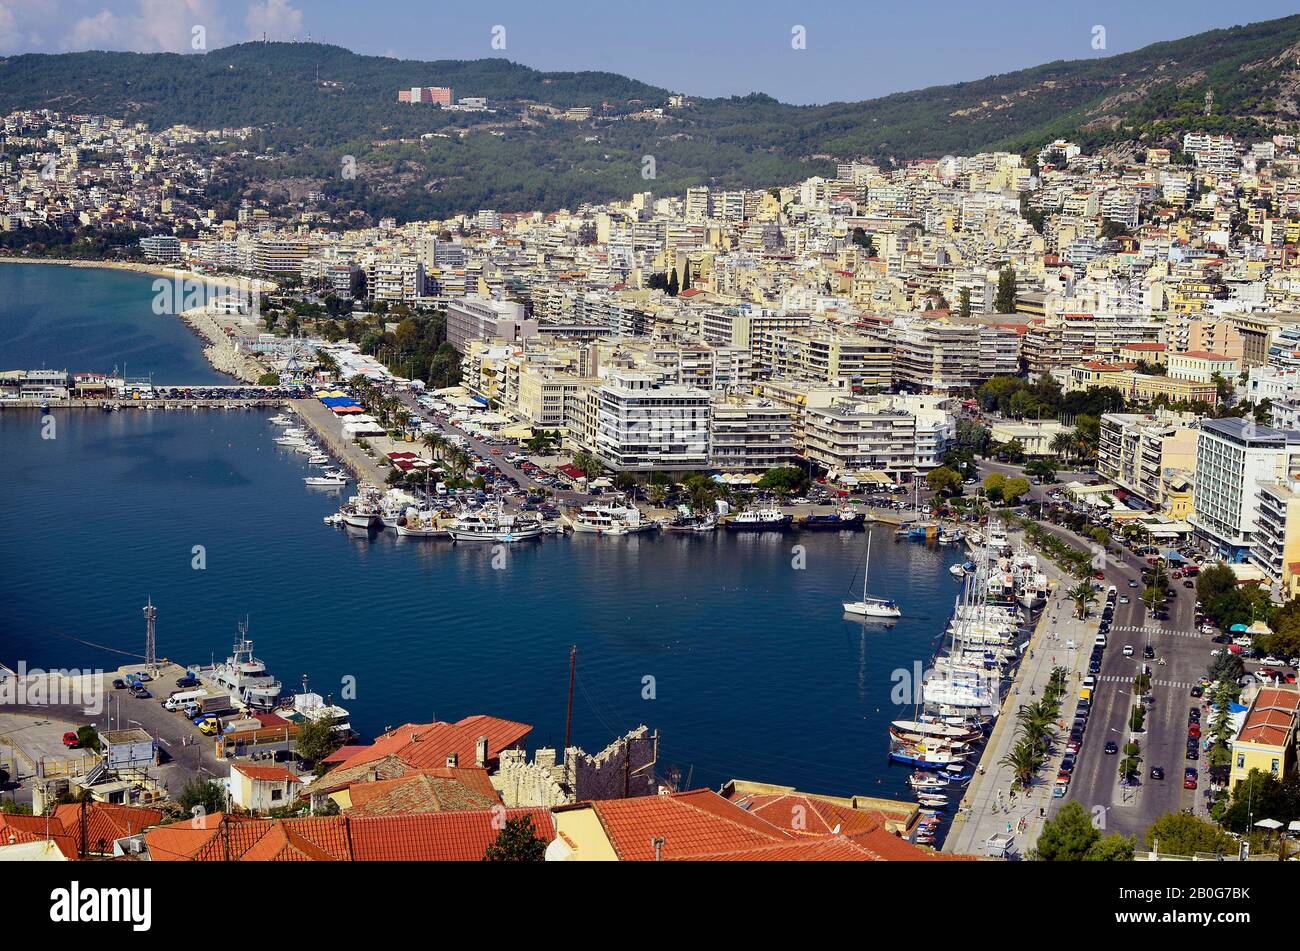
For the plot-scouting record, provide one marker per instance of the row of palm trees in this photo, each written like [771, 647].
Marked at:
[1072, 444]
[1035, 726]
[386, 407]
[441, 449]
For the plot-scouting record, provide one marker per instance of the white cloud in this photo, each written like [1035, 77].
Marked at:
[153, 26]
[276, 18]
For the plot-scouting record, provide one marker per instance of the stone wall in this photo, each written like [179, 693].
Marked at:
[624, 768]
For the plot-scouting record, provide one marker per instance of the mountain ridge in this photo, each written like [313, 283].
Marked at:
[317, 102]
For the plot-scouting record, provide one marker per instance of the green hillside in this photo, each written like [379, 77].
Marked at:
[315, 103]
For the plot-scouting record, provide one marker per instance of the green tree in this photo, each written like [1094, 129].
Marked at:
[516, 842]
[1178, 833]
[785, 479]
[88, 738]
[1015, 488]
[963, 303]
[1005, 300]
[1083, 597]
[316, 740]
[206, 793]
[943, 479]
[1112, 848]
[1067, 836]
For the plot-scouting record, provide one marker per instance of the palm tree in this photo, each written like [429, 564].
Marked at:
[434, 442]
[1083, 597]
[1023, 761]
[1063, 444]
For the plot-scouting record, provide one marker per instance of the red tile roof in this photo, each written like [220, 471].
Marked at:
[17, 828]
[267, 774]
[431, 837]
[106, 822]
[428, 744]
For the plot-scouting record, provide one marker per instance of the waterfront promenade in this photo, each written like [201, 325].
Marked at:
[988, 807]
[329, 429]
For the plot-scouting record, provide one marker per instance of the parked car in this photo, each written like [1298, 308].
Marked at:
[71, 740]
[119, 683]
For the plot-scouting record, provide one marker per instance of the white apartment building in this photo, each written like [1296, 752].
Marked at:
[481, 318]
[876, 435]
[1233, 458]
[1134, 450]
[641, 427]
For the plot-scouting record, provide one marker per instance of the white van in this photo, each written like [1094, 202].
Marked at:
[178, 700]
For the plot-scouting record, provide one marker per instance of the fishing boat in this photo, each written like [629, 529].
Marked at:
[599, 519]
[422, 524]
[962, 570]
[692, 522]
[919, 731]
[759, 520]
[869, 606]
[841, 520]
[492, 525]
[928, 781]
[927, 756]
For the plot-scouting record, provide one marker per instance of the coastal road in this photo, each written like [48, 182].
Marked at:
[1095, 783]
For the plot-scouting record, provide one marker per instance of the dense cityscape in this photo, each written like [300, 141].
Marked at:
[1062, 382]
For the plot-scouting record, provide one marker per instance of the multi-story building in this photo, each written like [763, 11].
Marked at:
[750, 435]
[1276, 548]
[876, 435]
[1200, 365]
[481, 318]
[1135, 451]
[1233, 458]
[642, 427]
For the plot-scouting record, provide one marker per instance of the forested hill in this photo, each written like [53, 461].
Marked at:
[315, 103]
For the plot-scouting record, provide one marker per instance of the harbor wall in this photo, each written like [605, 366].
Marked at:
[329, 429]
[221, 351]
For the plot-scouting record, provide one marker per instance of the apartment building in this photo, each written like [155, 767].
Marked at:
[480, 318]
[1135, 451]
[877, 435]
[642, 427]
[1276, 548]
[280, 255]
[395, 281]
[750, 435]
[833, 357]
[1234, 457]
[939, 357]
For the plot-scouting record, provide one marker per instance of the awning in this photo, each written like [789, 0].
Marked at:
[1171, 555]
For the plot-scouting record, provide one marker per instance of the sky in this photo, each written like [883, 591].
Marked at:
[799, 52]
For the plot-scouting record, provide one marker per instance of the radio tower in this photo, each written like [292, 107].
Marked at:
[150, 646]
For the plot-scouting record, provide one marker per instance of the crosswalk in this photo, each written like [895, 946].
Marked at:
[1122, 679]
[1154, 631]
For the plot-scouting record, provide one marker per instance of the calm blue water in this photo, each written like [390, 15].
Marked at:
[757, 672]
[85, 320]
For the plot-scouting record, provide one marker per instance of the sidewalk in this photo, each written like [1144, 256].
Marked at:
[988, 807]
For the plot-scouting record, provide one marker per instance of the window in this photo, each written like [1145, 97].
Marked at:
[1241, 761]
[277, 794]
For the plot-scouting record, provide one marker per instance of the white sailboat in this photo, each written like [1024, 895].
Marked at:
[869, 606]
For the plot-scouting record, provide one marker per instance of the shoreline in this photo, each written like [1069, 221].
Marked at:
[147, 268]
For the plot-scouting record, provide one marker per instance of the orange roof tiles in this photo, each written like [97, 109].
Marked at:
[106, 822]
[428, 744]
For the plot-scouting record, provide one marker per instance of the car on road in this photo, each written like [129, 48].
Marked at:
[71, 740]
[1132, 583]
[1189, 583]
[210, 726]
[1148, 652]
[1197, 691]
[140, 691]
[189, 680]
[1111, 748]
[1272, 662]
[1124, 599]
[1157, 772]
[1194, 730]
[1128, 650]
[119, 683]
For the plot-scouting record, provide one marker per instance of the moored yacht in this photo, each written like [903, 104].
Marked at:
[759, 520]
[492, 525]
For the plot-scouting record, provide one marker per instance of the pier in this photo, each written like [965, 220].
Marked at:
[988, 807]
[329, 429]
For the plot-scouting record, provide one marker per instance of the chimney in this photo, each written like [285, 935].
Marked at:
[480, 751]
[452, 759]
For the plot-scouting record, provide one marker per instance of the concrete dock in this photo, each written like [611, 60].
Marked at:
[987, 806]
[329, 429]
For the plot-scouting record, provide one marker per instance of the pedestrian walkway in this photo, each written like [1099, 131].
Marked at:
[1059, 640]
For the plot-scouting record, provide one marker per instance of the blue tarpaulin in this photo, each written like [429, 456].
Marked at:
[1239, 627]
[1172, 555]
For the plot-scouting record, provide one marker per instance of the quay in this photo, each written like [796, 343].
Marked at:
[153, 403]
[988, 808]
[329, 429]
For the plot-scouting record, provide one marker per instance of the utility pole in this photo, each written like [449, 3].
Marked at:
[568, 718]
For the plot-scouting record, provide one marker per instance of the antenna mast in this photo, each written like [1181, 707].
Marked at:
[150, 643]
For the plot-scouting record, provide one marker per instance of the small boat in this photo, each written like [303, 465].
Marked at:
[962, 570]
[327, 480]
[868, 606]
[685, 522]
[318, 459]
[843, 520]
[760, 520]
[281, 420]
[928, 781]
[492, 526]
[420, 525]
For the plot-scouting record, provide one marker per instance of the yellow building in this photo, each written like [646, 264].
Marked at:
[1267, 738]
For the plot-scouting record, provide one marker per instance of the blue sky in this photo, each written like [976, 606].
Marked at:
[854, 50]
